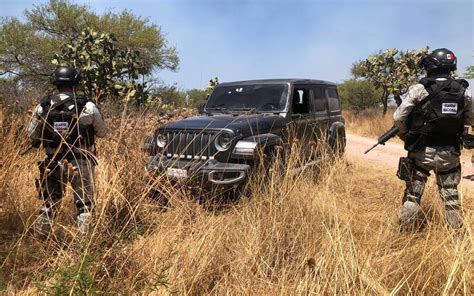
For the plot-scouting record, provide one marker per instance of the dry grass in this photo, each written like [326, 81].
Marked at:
[326, 231]
[370, 123]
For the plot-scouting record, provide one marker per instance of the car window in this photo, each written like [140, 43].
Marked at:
[300, 101]
[261, 97]
[333, 99]
[319, 102]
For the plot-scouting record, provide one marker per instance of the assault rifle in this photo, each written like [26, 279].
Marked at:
[384, 138]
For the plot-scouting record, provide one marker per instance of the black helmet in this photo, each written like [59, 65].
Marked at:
[441, 59]
[65, 76]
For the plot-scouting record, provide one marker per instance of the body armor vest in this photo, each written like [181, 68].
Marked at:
[438, 120]
[61, 128]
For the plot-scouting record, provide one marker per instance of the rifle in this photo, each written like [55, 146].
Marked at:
[384, 138]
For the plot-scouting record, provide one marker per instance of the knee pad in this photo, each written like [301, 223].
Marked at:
[450, 178]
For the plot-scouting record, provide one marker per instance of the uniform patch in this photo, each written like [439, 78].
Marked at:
[61, 127]
[449, 108]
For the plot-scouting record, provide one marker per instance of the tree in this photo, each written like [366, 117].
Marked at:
[196, 96]
[358, 94]
[392, 71]
[27, 47]
[108, 70]
[469, 72]
[168, 95]
[212, 84]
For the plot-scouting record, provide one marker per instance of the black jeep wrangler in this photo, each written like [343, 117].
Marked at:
[239, 121]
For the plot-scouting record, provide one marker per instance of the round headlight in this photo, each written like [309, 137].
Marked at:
[161, 140]
[223, 141]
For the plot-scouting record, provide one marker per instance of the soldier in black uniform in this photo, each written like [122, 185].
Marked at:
[431, 120]
[65, 125]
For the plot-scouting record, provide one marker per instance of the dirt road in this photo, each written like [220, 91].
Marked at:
[389, 154]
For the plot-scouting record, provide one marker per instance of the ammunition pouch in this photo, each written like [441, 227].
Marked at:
[405, 169]
[415, 141]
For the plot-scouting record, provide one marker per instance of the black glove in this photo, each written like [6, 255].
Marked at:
[468, 141]
[402, 137]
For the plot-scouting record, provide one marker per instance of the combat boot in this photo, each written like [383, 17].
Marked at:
[454, 218]
[84, 221]
[43, 225]
[409, 214]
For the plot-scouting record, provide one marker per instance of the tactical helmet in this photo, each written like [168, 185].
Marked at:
[65, 76]
[441, 59]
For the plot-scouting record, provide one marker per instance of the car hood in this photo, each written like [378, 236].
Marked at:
[244, 125]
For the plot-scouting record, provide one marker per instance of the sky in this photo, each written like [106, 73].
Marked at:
[240, 40]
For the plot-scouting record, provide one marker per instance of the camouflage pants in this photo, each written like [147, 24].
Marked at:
[54, 176]
[445, 163]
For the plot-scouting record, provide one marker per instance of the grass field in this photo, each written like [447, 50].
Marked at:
[369, 123]
[331, 229]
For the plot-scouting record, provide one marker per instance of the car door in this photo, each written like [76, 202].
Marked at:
[319, 107]
[301, 115]
[334, 104]
[336, 132]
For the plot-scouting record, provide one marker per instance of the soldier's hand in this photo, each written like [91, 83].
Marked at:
[402, 137]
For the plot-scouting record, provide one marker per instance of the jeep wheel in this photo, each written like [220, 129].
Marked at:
[338, 143]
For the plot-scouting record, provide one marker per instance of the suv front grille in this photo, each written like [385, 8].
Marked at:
[191, 145]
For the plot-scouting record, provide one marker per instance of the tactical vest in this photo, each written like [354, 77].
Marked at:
[438, 120]
[60, 128]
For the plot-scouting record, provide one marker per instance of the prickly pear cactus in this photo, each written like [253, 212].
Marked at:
[108, 70]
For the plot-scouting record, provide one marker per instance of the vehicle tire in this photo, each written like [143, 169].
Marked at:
[338, 143]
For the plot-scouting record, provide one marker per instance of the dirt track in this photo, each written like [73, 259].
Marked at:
[389, 154]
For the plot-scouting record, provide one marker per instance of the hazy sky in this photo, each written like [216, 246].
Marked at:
[237, 40]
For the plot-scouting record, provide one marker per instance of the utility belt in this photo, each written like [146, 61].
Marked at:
[71, 154]
[416, 141]
[407, 168]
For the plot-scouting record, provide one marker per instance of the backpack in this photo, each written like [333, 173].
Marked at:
[438, 120]
[60, 123]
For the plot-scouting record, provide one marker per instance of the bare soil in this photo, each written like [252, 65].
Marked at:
[388, 155]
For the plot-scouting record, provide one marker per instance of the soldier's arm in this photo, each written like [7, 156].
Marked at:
[91, 115]
[469, 108]
[34, 128]
[415, 94]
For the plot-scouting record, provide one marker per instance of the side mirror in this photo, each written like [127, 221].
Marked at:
[200, 107]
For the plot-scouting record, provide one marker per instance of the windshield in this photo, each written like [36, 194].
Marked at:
[249, 97]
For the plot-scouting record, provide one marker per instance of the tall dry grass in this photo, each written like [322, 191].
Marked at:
[330, 229]
[370, 123]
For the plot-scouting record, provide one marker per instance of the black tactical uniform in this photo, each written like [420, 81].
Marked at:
[66, 125]
[431, 119]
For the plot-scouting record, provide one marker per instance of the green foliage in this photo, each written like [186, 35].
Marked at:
[27, 47]
[167, 96]
[212, 84]
[159, 281]
[196, 96]
[359, 94]
[469, 72]
[108, 70]
[391, 70]
[72, 280]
